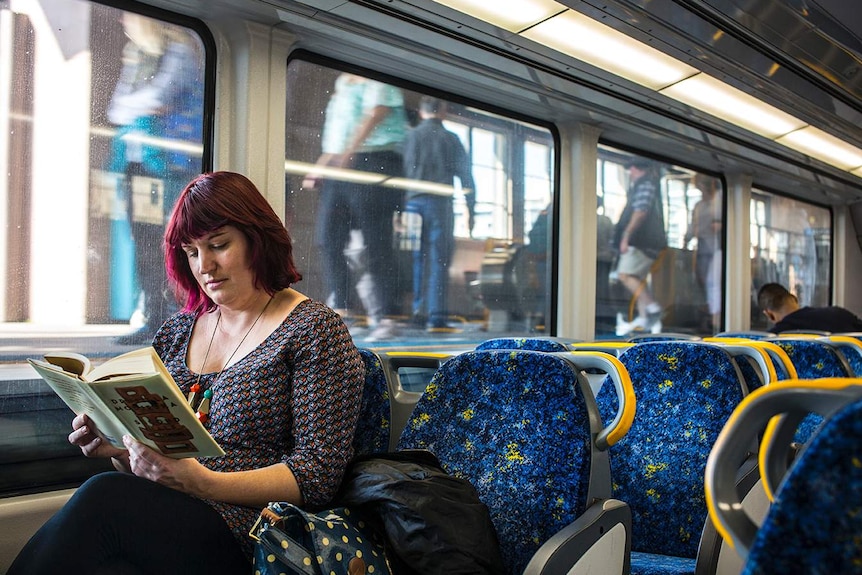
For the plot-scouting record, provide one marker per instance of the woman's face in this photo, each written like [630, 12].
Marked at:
[220, 263]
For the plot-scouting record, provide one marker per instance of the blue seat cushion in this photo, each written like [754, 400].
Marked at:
[652, 564]
[814, 524]
[372, 429]
[514, 424]
[685, 393]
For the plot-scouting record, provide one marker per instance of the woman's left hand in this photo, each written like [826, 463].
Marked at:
[186, 475]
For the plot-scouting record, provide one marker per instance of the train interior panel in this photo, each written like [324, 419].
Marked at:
[621, 173]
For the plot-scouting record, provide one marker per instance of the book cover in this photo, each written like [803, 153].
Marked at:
[130, 394]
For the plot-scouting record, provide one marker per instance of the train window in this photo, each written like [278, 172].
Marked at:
[659, 258]
[415, 379]
[100, 127]
[791, 243]
[416, 217]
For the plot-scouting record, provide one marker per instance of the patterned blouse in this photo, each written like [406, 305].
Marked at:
[294, 399]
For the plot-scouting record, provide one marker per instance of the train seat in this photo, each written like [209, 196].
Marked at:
[408, 373]
[756, 362]
[814, 522]
[523, 428]
[525, 343]
[747, 334]
[784, 368]
[814, 357]
[375, 417]
[685, 393]
[663, 336]
[851, 347]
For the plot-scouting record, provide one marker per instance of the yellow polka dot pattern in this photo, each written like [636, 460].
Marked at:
[327, 543]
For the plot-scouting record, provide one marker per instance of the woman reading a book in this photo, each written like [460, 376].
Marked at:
[273, 375]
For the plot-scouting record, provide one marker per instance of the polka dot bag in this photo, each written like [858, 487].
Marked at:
[292, 541]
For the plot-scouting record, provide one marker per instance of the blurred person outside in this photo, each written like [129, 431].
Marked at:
[782, 309]
[605, 253]
[159, 94]
[434, 154]
[640, 237]
[364, 129]
[705, 227]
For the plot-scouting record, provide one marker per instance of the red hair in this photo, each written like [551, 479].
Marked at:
[212, 201]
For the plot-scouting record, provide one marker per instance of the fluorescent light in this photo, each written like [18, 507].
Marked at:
[582, 37]
[825, 147]
[511, 15]
[858, 172]
[728, 103]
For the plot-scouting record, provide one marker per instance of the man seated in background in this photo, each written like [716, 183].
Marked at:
[782, 308]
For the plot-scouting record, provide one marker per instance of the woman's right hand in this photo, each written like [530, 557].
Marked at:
[86, 436]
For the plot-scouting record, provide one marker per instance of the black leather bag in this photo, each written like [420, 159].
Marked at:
[431, 521]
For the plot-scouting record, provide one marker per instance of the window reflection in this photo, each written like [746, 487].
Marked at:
[102, 119]
[791, 245]
[440, 277]
[659, 248]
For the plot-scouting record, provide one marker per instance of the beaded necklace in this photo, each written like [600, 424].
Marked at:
[202, 403]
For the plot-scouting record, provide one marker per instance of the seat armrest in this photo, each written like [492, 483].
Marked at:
[598, 542]
[715, 556]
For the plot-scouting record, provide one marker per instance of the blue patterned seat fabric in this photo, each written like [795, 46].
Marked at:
[815, 522]
[746, 334]
[813, 360]
[514, 424]
[685, 393]
[525, 343]
[372, 429]
[853, 357]
[648, 337]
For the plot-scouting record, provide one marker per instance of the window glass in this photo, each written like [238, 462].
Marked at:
[100, 129]
[790, 244]
[383, 184]
[660, 245]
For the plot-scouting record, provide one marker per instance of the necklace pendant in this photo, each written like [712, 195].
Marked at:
[193, 393]
[204, 407]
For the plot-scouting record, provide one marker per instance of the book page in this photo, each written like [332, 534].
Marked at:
[69, 361]
[156, 413]
[140, 361]
[75, 394]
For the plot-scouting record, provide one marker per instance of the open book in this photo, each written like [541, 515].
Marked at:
[132, 394]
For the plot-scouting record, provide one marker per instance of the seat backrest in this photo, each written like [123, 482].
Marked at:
[813, 525]
[815, 522]
[685, 393]
[519, 425]
[525, 343]
[408, 374]
[663, 336]
[781, 362]
[754, 362]
[750, 334]
[813, 357]
[850, 347]
[375, 420]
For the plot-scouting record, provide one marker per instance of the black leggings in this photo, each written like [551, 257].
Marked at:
[119, 523]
